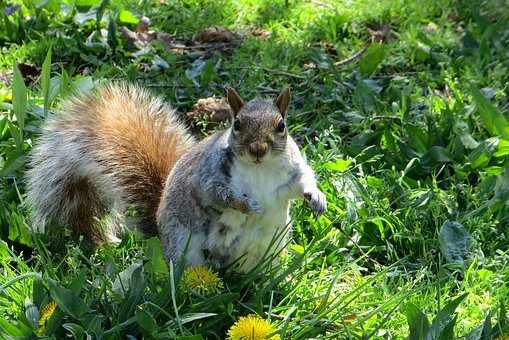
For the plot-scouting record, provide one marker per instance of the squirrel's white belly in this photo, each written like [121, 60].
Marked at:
[248, 237]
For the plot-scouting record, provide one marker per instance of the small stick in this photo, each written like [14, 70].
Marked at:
[353, 57]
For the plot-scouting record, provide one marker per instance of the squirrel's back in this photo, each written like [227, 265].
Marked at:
[109, 150]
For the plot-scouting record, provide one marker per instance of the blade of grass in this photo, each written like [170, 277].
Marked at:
[19, 103]
[45, 81]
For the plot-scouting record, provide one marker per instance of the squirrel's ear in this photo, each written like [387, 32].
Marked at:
[283, 100]
[236, 103]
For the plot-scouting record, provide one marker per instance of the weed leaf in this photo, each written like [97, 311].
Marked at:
[67, 300]
[127, 17]
[145, 320]
[454, 242]
[418, 323]
[442, 321]
[491, 117]
[372, 58]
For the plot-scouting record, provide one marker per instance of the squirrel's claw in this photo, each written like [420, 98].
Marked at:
[254, 206]
[249, 205]
[316, 201]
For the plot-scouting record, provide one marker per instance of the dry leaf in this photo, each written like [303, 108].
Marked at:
[169, 45]
[260, 33]
[215, 109]
[216, 34]
[138, 39]
[6, 77]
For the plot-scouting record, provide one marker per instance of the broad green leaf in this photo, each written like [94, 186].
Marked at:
[339, 165]
[127, 17]
[376, 182]
[371, 59]
[418, 323]
[481, 155]
[14, 329]
[297, 248]
[15, 161]
[157, 263]
[365, 97]
[437, 155]
[447, 331]
[67, 300]
[502, 187]
[87, 3]
[454, 242]
[45, 81]
[83, 84]
[444, 317]
[19, 99]
[145, 320]
[491, 117]
[123, 282]
[502, 148]
[76, 330]
[418, 137]
[18, 229]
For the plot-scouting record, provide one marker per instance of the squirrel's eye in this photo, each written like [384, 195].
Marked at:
[281, 126]
[236, 125]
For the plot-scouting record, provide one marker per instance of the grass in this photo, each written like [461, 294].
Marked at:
[407, 138]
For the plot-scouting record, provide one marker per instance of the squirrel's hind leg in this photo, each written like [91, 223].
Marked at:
[179, 244]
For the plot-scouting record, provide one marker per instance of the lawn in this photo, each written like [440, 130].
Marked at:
[401, 107]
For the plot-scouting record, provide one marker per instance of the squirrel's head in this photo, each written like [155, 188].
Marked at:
[259, 129]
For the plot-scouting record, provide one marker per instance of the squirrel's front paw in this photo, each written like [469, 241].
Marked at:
[248, 205]
[316, 200]
[253, 205]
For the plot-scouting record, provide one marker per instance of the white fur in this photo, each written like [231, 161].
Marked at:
[272, 184]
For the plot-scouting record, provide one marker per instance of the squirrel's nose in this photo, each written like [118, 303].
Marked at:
[258, 150]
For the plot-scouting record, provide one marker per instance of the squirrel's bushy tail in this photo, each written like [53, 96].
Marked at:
[104, 152]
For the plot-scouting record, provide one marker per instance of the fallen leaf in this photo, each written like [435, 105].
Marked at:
[260, 33]
[169, 45]
[215, 109]
[140, 40]
[6, 77]
[216, 34]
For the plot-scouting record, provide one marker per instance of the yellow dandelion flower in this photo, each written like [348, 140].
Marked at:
[202, 280]
[252, 327]
[47, 312]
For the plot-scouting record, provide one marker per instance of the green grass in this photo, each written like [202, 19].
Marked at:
[410, 135]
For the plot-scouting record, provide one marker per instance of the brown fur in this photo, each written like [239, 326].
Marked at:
[130, 137]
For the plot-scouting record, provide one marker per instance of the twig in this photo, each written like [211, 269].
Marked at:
[226, 45]
[353, 57]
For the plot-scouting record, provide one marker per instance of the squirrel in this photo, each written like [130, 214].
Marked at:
[211, 202]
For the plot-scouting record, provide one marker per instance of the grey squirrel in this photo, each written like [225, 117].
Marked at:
[211, 202]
